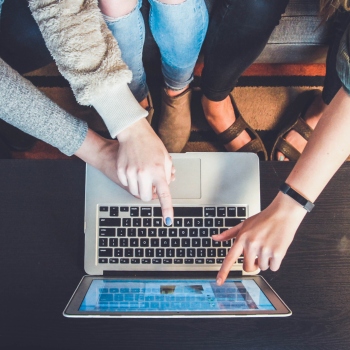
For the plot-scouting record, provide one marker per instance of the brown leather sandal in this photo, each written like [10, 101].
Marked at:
[301, 105]
[255, 145]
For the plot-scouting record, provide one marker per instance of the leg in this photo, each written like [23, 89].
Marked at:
[179, 28]
[238, 32]
[332, 84]
[125, 21]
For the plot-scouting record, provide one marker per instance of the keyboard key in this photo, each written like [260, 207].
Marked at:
[201, 253]
[113, 260]
[162, 232]
[113, 242]
[118, 252]
[156, 261]
[165, 242]
[167, 261]
[189, 261]
[102, 261]
[149, 253]
[209, 222]
[221, 212]
[193, 232]
[170, 253]
[139, 252]
[191, 253]
[141, 232]
[135, 261]
[196, 242]
[109, 222]
[154, 242]
[132, 232]
[211, 253]
[134, 242]
[198, 222]
[146, 261]
[103, 242]
[107, 232]
[203, 232]
[209, 211]
[177, 222]
[213, 231]
[124, 261]
[144, 242]
[113, 211]
[180, 253]
[124, 209]
[172, 232]
[206, 242]
[178, 261]
[219, 222]
[160, 252]
[232, 222]
[157, 222]
[103, 208]
[210, 261]
[240, 260]
[188, 222]
[136, 222]
[199, 261]
[175, 242]
[121, 232]
[183, 232]
[241, 211]
[227, 243]
[231, 212]
[124, 242]
[185, 242]
[147, 222]
[181, 211]
[134, 211]
[215, 243]
[126, 222]
[219, 261]
[152, 232]
[146, 211]
[105, 252]
[222, 252]
[129, 252]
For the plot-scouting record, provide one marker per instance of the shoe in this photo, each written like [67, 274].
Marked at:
[255, 145]
[297, 123]
[15, 138]
[150, 109]
[174, 127]
[5, 152]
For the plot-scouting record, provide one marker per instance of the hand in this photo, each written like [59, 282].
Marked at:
[263, 238]
[143, 164]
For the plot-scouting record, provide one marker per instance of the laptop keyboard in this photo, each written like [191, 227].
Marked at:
[136, 235]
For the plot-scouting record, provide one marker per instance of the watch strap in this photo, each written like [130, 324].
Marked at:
[305, 203]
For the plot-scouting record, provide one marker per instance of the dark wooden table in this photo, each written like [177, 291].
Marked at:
[41, 260]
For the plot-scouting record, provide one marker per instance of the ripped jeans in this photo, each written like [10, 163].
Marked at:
[179, 31]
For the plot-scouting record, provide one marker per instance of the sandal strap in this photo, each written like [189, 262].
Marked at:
[233, 131]
[302, 128]
[287, 149]
[254, 146]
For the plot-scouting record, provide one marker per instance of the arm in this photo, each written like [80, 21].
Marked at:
[88, 56]
[268, 234]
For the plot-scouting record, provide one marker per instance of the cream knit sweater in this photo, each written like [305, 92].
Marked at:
[88, 56]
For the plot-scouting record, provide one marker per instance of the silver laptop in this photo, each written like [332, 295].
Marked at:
[129, 247]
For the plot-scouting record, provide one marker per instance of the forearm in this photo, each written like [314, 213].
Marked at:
[327, 149]
[88, 56]
[24, 106]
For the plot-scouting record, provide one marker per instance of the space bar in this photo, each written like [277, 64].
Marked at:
[182, 211]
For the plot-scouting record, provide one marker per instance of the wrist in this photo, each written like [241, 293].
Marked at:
[287, 207]
[134, 130]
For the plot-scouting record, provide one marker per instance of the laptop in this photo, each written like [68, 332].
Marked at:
[138, 267]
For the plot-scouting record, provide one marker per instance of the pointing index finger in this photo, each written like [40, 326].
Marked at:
[164, 195]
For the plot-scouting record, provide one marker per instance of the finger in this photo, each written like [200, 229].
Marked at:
[145, 188]
[263, 261]
[230, 259]
[122, 177]
[250, 262]
[228, 234]
[133, 185]
[275, 263]
[165, 200]
[168, 169]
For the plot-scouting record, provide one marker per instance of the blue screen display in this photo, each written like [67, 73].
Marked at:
[174, 295]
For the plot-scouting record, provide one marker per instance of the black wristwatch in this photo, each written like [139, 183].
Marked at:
[305, 203]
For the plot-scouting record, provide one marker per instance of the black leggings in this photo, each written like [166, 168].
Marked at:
[238, 32]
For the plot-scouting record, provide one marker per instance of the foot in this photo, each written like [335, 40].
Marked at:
[312, 116]
[220, 116]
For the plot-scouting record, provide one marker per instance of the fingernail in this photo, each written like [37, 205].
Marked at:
[168, 221]
[219, 281]
[281, 158]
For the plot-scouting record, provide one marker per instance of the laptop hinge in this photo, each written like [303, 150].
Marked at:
[168, 274]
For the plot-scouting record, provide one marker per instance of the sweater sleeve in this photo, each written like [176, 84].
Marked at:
[25, 107]
[343, 60]
[88, 56]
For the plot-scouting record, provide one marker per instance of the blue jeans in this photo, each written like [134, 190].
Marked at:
[179, 31]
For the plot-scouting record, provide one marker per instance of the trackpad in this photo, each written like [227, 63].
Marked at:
[188, 179]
